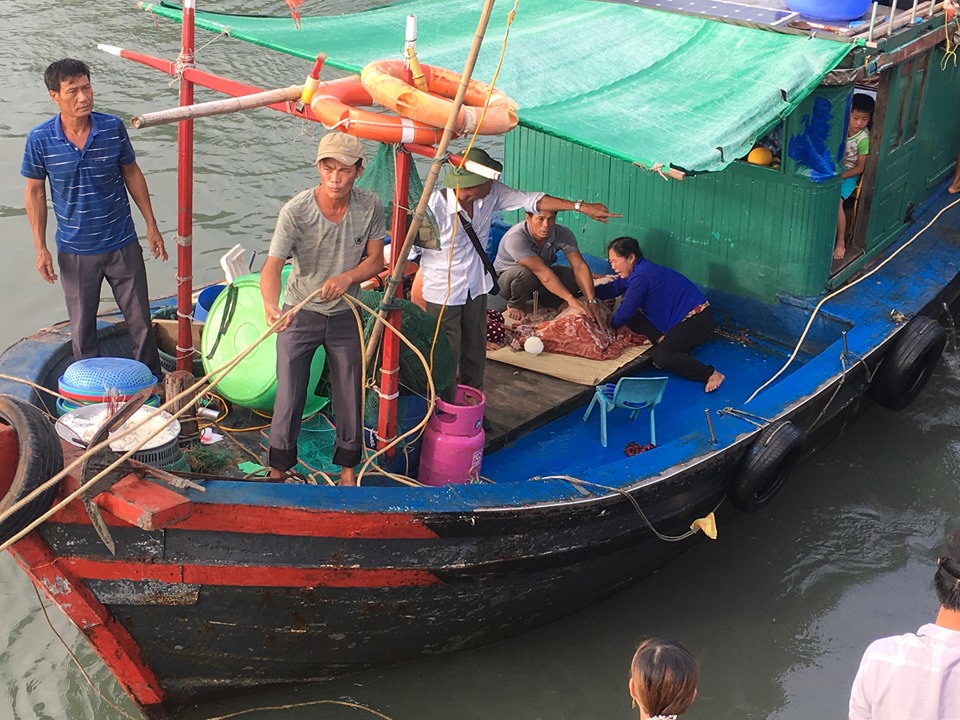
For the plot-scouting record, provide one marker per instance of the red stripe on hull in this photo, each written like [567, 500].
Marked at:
[305, 523]
[262, 520]
[249, 575]
[111, 641]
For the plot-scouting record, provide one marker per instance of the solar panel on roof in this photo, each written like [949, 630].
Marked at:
[720, 9]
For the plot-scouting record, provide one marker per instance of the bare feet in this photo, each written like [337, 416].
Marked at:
[714, 381]
[954, 187]
[839, 250]
[515, 313]
[348, 477]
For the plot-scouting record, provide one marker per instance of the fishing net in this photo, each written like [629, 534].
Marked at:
[419, 328]
[380, 176]
[314, 445]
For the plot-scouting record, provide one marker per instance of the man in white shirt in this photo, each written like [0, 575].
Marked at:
[917, 677]
[455, 280]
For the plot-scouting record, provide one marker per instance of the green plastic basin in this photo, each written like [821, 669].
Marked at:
[253, 382]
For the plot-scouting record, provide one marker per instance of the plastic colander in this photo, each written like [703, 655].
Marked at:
[94, 377]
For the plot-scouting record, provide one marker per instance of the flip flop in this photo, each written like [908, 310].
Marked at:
[633, 448]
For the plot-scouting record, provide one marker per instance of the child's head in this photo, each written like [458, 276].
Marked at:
[663, 678]
[861, 113]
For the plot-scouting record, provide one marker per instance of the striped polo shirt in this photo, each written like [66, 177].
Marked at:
[87, 189]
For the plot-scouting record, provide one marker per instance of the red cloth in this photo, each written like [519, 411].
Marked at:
[496, 327]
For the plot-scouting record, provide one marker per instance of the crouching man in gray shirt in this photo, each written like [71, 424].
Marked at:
[526, 262]
[335, 234]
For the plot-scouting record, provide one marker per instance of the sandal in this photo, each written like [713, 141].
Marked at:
[633, 448]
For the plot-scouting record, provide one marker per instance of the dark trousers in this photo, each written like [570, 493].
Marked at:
[296, 345]
[517, 285]
[466, 329]
[82, 278]
[672, 353]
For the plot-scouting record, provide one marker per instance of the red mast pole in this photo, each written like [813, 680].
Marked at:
[390, 365]
[185, 349]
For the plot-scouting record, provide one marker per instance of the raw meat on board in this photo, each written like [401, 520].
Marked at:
[573, 332]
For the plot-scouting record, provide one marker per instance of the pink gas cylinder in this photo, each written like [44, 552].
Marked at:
[453, 441]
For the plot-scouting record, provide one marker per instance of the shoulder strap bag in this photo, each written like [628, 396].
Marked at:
[478, 246]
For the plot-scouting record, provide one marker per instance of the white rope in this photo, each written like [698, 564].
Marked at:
[835, 293]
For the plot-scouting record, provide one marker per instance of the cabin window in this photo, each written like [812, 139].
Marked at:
[768, 150]
[906, 100]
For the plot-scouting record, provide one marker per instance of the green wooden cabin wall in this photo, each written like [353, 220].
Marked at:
[747, 230]
[938, 134]
[916, 147]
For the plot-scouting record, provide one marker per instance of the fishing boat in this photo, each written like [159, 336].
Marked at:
[221, 585]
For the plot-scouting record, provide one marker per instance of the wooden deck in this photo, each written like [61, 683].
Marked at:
[519, 400]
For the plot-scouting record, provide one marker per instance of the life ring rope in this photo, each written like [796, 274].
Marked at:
[485, 110]
[337, 105]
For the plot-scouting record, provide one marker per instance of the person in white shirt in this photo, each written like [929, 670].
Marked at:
[917, 676]
[455, 279]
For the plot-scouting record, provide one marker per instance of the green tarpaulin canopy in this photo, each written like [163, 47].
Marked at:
[642, 85]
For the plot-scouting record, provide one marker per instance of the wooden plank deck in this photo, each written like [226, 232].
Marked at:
[519, 401]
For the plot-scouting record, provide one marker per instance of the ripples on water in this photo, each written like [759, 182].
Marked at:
[778, 610]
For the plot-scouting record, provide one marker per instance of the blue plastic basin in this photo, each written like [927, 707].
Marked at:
[830, 9]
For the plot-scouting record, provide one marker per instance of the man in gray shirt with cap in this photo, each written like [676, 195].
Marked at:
[335, 234]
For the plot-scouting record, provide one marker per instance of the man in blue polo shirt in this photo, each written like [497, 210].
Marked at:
[90, 164]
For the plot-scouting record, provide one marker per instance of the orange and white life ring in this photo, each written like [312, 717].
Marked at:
[337, 105]
[383, 80]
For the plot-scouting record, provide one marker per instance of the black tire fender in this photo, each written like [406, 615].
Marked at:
[766, 465]
[40, 458]
[908, 366]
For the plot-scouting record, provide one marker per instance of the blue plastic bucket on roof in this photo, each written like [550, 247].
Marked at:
[100, 376]
[830, 9]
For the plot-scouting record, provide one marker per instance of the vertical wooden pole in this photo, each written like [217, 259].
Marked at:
[185, 349]
[175, 384]
[438, 161]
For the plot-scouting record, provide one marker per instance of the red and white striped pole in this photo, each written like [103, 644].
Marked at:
[390, 366]
[185, 349]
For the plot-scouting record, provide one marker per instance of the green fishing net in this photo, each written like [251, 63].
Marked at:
[419, 328]
[379, 177]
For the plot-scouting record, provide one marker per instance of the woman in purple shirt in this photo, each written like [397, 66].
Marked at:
[663, 305]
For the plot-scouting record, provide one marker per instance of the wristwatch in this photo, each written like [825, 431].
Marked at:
[577, 205]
